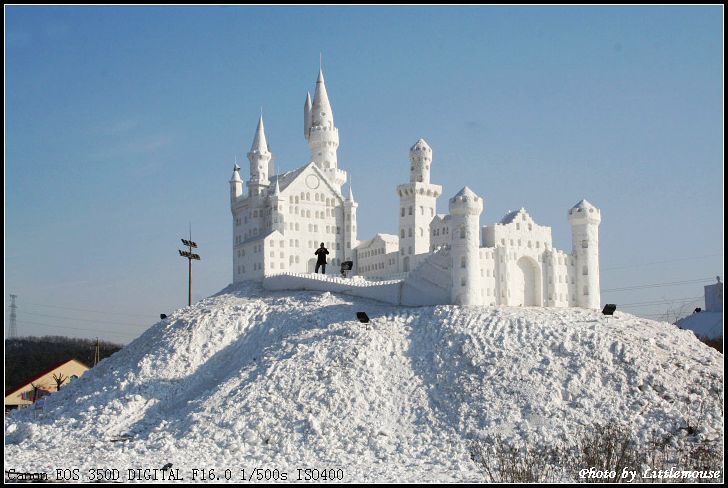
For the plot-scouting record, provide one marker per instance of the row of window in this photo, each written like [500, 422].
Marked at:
[529, 243]
[372, 252]
[518, 226]
[423, 210]
[409, 232]
[318, 197]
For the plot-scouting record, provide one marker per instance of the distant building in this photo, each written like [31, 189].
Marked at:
[44, 384]
[708, 322]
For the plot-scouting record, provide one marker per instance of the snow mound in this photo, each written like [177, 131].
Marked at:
[254, 379]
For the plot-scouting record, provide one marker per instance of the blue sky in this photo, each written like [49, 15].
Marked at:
[122, 124]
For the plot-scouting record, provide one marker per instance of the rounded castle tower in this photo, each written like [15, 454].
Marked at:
[236, 185]
[420, 156]
[418, 203]
[465, 209]
[584, 219]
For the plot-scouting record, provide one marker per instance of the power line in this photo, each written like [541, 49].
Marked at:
[663, 301]
[90, 310]
[75, 328]
[662, 262]
[84, 320]
[659, 285]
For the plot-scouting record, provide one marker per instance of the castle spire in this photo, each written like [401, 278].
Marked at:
[260, 145]
[321, 113]
[307, 115]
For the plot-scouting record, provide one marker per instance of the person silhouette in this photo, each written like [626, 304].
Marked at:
[321, 252]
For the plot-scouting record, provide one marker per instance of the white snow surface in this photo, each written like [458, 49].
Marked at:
[250, 378]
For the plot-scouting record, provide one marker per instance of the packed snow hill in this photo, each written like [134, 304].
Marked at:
[284, 381]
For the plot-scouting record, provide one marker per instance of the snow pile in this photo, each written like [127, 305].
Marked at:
[256, 379]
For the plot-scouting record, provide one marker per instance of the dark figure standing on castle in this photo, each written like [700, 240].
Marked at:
[321, 252]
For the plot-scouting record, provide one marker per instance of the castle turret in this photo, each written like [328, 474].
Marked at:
[236, 185]
[307, 115]
[259, 158]
[584, 219]
[420, 160]
[323, 136]
[350, 240]
[277, 213]
[465, 209]
[417, 205]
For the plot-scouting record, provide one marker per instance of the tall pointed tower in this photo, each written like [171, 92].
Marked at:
[278, 216]
[322, 135]
[417, 206]
[259, 158]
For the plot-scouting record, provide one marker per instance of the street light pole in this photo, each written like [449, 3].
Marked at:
[190, 256]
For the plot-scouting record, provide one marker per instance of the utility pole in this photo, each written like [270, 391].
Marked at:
[190, 256]
[97, 353]
[13, 322]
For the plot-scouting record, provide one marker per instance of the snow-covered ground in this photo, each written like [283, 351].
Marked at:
[286, 380]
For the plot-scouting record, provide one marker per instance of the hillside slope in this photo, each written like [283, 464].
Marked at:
[249, 378]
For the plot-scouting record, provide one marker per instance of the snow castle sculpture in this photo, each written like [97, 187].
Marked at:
[434, 258]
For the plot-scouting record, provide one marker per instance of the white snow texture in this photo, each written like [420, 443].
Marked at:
[251, 378]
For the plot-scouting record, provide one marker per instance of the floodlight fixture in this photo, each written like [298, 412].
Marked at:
[609, 309]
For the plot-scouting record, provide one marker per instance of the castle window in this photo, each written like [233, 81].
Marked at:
[297, 259]
[422, 210]
[409, 232]
[308, 197]
[402, 211]
[410, 210]
[586, 290]
[585, 271]
[462, 232]
[584, 244]
[422, 232]
[463, 262]
[463, 281]
[518, 226]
